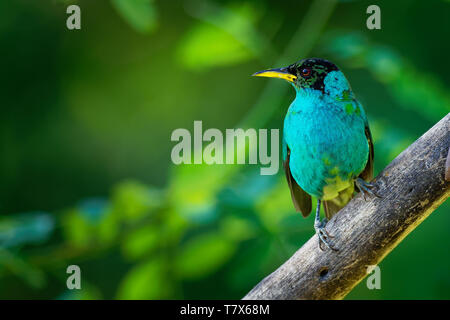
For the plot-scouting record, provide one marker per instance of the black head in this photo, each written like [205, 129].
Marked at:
[307, 73]
[311, 73]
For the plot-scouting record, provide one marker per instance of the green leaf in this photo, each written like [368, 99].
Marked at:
[225, 35]
[193, 190]
[109, 228]
[77, 230]
[141, 242]
[145, 281]
[133, 200]
[203, 255]
[208, 46]
[140, 14]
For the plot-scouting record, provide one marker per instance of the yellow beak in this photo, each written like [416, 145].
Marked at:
[281, 73]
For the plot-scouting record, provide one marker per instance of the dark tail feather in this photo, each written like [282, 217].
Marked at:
[330, 208]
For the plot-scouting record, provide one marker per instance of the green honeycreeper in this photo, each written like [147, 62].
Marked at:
[327, 144]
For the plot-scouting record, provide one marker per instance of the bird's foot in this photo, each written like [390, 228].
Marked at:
[323, 235]
[366, 188]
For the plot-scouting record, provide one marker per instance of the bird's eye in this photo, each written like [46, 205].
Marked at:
[305, 72]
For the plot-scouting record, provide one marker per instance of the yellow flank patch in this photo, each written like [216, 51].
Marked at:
[334, 187]
[344, 196]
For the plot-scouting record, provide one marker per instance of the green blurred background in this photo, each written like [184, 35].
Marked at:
[85, 125]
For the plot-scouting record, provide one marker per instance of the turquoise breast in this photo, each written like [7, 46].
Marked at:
[327, 141]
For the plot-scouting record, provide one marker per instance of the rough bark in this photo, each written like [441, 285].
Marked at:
[412, 186]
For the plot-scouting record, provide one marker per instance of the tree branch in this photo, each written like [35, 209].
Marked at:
[412, 186]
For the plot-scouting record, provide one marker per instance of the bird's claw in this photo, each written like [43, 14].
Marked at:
[323, 236]
[366, 188]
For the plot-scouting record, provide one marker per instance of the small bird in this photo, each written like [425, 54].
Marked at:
[327, 144]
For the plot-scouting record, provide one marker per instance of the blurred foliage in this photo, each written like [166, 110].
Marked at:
[140, 14]
[224, 36]
[88, 115]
